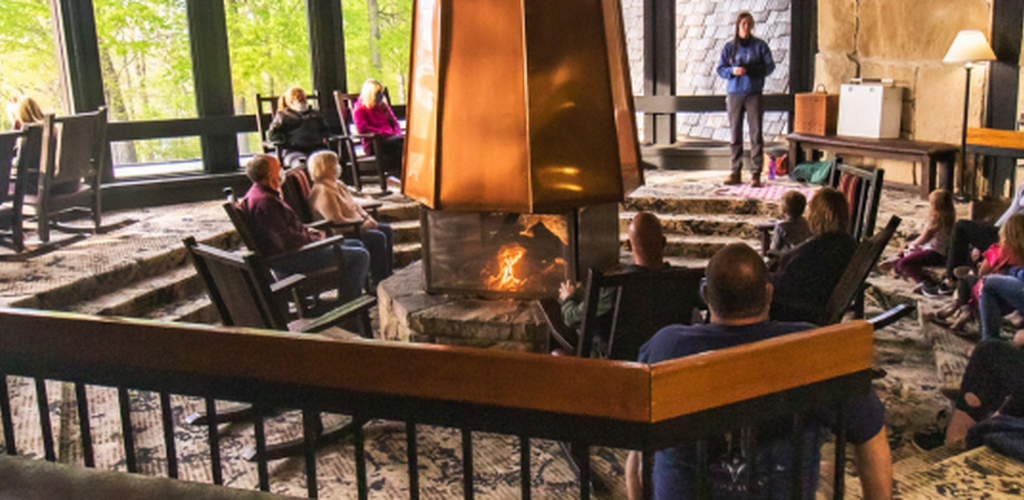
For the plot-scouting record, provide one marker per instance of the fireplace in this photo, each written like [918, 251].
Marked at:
[512, 255]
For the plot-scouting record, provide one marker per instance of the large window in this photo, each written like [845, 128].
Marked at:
[29, 56]
[377, 44]
[269, 45]
[147, 73]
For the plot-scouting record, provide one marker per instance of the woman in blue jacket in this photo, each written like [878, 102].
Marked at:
[745, 62]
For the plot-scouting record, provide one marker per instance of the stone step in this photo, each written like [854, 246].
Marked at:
[139, 298]
[399, 211]
[405, 254]
[406, 231]
[699, 205]
[193, 309]
[742, 226]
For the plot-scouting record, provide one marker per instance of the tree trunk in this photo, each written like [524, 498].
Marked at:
[121, 152]
[373, 12]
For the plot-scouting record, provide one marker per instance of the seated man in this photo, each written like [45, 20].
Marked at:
[647, 244]
[738, 296]
[282, 231]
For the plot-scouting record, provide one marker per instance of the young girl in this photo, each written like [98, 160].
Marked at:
[930, 248]
[331, 200]
[999, 258]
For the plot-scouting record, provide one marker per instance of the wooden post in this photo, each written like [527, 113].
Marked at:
[327, 53]
[211, 72]
[660, 67]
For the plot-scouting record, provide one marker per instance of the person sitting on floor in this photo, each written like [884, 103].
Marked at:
[793, 229]
[998, 259]
[739, 296]
[299, 128]
[806, 275]
[331, 200]
[1003, 292]
[282, 231]
[929, 249]
[968, 234]
[647, 245]
[371, 114]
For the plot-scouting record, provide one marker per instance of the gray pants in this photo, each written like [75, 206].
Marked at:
[736, 105]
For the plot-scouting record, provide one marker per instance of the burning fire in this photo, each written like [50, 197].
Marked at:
[506, 279]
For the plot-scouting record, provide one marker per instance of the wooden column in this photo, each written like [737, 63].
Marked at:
[1001, 107]
[660, 67]
[803, 46]
[211, 72]
[327, 53]
[78, 59]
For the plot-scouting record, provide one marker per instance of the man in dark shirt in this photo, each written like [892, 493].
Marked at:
[282, 231]
[738, 296]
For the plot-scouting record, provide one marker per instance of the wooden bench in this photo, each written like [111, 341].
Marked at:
[935, 158]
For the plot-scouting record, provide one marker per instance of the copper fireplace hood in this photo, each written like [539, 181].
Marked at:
[521, 106]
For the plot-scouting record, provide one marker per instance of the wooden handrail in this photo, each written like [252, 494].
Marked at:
[628, 392]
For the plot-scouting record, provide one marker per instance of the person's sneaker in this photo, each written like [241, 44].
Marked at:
[937, 290]
[926, 441]
[733, 179]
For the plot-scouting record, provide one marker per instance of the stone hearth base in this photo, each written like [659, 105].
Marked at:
[409, 314]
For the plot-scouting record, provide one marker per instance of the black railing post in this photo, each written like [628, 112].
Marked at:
[214, 439]
[167, 418]
[311, 429]
[525, 486]
[260, 434]
[124, 403]
[82, 401]
[7, 417]
[43, 403]
[412, 456]
[467, 463]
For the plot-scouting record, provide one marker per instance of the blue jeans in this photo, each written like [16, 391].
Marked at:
[353, 279]
[379, 243]
[998, 291]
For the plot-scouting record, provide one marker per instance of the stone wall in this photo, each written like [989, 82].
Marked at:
[905, 41]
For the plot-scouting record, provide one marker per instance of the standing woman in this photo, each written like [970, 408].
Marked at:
[745, 62]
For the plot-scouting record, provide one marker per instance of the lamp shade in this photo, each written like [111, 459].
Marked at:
[969, 46]
[519, 106]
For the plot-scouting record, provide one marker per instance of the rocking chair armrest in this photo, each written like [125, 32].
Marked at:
[308, 247]
[287, 283]
[556, 325]
[269, 145]
[340, 313]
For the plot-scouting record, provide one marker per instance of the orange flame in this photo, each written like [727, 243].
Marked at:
[508, 256]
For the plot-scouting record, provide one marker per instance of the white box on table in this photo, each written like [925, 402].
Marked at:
[870, 110]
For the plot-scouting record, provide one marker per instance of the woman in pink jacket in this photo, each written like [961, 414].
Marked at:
[372, 115]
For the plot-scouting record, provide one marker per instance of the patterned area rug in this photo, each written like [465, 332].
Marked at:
[770, 191]
[495, 456]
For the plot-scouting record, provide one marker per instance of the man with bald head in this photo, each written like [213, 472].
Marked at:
[739, 296]
[647, 245]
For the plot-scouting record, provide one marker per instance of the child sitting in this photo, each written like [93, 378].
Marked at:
[929, 249]
[793, 229]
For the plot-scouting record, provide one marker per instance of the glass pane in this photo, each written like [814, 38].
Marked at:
[147, 72]
[715, 126]
[269, 45]
[377, 44]
[30, 57]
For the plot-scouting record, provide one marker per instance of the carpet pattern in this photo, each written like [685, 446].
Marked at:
[770, 192]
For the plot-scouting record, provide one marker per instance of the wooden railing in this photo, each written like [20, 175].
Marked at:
[581, 401]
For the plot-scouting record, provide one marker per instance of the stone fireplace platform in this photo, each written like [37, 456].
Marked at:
[409, 314]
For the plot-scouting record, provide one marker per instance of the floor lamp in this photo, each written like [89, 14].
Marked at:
[969, 47]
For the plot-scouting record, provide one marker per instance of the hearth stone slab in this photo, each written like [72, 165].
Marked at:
[410, 314]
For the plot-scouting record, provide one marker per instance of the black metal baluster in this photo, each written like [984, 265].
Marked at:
[524, 467]
[581, 455]
[797, 483]
[167, 419]
[839, 479]
[213, 438]
[311, 428]
[84, 427]
[260, 434]
[703, 486]
[43, 402]
[124, 403]
[749, 450]
[647, 473]
[7, 417]
[359, 447]
[467, 463]
[413, 456]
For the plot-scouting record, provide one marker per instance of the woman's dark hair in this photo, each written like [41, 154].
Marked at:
[736, 29]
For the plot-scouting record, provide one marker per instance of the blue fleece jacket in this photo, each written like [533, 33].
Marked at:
[755, 56]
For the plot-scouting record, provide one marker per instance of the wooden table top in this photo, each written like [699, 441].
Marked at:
[885, 145]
